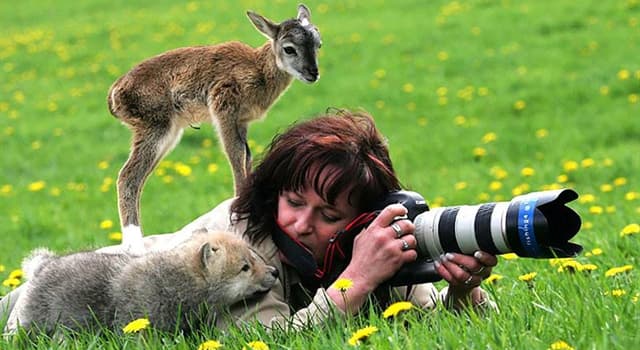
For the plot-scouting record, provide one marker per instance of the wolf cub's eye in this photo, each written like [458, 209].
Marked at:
[289, 50]
[246, 267]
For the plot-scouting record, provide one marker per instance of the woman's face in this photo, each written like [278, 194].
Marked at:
[306, 217]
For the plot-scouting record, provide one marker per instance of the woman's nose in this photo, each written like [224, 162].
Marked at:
[303, 224]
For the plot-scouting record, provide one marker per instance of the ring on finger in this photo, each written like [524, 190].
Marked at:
[397, 229]
[479, 270]
[405, 245]
[468, 280]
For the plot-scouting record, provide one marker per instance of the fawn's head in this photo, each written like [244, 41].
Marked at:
[295, 42]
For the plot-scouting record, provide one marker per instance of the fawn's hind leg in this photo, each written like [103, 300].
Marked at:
[149, 146]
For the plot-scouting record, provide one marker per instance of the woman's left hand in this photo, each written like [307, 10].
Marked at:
[465, 273]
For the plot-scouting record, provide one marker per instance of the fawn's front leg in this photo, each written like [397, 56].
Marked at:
[233, 137]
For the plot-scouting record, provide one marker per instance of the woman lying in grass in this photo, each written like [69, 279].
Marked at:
[315, 179]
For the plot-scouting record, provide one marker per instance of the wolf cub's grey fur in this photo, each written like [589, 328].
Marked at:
[178, 288]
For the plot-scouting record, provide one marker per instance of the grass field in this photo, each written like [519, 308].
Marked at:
[480, 100]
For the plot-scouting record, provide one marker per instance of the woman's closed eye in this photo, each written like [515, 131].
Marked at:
[331, 218]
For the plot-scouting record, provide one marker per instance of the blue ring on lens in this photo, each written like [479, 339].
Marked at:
[525, 226]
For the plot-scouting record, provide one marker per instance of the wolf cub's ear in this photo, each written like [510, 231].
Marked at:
[206, 252]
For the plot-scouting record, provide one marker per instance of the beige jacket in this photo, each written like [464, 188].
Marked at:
[273, 309]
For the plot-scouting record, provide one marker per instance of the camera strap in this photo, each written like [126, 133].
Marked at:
[336, 257]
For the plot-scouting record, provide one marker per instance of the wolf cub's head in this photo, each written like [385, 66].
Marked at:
[236, 270]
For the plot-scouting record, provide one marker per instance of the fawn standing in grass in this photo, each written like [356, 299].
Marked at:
[228, 84]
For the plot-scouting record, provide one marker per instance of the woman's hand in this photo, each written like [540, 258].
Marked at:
[464, 274]
[384, 246]
[378, 253]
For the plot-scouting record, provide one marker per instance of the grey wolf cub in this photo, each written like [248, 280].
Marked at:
[174, 289]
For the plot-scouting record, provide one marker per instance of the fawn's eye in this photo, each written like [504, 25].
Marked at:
[246, 267]
[289, 50]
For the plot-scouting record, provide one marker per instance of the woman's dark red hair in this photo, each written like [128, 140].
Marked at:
[347, 142]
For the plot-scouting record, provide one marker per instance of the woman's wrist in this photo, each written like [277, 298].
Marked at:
[350, 299]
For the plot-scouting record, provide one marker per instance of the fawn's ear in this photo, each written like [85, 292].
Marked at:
[207, 252]
[265, 26]
[304, 15]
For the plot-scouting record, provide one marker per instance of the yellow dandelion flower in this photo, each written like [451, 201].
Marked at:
[343, 284]
[210, 345]
[630, 229]
[520, 189]
[528, 277]
[103, 165]
[136, 325]
[106, 224]
[620, 181]
[489, 137]
[633, 98]
[380, 73]
[560, 345]
[2, 268]
[396, 308]
[596, 210]
[167, 179]
[207, 143]
[617, 270]
[542, 133]
[563, 178]
[460, 120]
[570, 165]
[499, 173]
[36, 186]
[519, 105]
[589, 267]
[212, 168]
[587, 163]
[630, 196]
[618, 292]
[594, 251]
[604, 90]
[256, 345]
[483, 197]
[17, 274]
[558, 261]
[11, 282]
[606, 188]
[587, 225]
[587, 198]
[443, 56]
[442, 91]
[115, 236]
[408, 88]
[483, 91]
[510, 256]
[495, 185]
[6, 189]
[570, 266]
[460, 185]
[493, 278]
[361, 335]
[479, 152]
[182, 169]
[624, 74]
[527, 171]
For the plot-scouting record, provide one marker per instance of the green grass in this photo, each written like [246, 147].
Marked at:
[438, 76]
